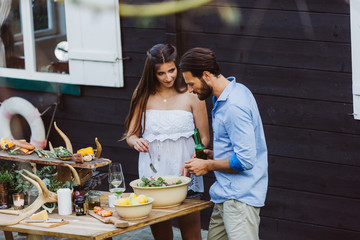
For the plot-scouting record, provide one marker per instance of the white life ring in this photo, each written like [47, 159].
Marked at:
[17, 105]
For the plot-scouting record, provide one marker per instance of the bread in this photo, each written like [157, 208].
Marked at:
[23, 144]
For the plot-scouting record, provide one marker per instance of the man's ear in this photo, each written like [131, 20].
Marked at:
[206, 76]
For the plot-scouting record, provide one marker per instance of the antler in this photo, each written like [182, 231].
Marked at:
[66, 139]
[98, 148]
[45, 196]
[74, 172]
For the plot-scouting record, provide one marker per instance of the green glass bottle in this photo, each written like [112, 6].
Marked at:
[199, 146]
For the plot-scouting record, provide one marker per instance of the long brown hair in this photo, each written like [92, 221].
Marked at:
[157, 55]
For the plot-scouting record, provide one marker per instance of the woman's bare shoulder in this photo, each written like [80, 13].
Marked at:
[191, 97]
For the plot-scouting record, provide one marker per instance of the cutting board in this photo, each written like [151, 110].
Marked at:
[45, 224]
[112, 219]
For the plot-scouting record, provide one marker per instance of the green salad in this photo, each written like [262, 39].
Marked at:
[153, 182]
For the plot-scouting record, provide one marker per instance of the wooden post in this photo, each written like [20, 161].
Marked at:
[63, 174]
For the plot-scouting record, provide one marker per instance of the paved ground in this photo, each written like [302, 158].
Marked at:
[139, 234]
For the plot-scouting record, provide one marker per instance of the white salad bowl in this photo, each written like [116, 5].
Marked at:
[134, 212]
[166, 196]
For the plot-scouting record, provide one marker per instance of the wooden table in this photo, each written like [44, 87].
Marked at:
[87, 227]
[64, 173]
[33, 158]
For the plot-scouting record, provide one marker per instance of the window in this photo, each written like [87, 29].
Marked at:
[355, 54]
[86, 33]
[44, 18]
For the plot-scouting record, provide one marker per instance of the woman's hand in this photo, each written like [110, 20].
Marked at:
[141, 145]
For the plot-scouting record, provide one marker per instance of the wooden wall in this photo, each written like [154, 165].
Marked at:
[294, 55]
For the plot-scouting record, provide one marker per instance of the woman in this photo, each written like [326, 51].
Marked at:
[160, 126]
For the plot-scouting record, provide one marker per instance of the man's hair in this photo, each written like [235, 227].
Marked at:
[197, 60]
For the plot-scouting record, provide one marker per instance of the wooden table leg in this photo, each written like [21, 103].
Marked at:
[8, 235]
[34, 237]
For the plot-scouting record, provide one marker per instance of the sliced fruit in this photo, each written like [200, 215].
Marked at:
[132, 196]
[134, 202]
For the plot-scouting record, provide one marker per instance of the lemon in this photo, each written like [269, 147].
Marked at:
[123, 201]
[132, 196]
[141, 199]
[134, 202]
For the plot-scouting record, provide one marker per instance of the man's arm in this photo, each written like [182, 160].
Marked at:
[200, 167]
[239, 126]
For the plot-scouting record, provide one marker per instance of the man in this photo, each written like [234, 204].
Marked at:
[240, 153]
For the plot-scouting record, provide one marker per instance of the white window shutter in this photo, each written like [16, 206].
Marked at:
[355, 54]
[93, 34]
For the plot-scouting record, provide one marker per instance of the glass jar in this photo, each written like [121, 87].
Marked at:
[80, 206]
[93, 199]
[32, 194]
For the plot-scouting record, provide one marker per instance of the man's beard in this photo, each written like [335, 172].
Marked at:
[205, 91]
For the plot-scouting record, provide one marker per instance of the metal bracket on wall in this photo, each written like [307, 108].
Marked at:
[56, 104]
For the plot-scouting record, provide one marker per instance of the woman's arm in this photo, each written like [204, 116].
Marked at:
[201, 118]
[134, 141]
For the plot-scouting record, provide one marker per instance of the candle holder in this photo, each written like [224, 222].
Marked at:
[18, 199]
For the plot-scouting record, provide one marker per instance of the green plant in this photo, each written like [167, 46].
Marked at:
[22, 185]
[12, 174]
[46, 173]
[7, 175]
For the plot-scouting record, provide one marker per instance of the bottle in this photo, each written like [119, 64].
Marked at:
[199, 146]
[80, 207]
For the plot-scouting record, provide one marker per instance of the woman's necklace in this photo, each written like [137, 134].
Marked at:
[163, 99]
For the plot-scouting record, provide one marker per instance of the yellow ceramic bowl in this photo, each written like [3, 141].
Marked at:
[164, 197]
[133, 212]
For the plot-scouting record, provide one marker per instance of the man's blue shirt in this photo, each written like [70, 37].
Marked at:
[239, 136]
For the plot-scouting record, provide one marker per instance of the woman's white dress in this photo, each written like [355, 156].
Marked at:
[169, 133]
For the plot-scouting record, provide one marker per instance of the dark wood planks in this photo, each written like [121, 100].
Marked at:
[292, 82]
[324, 6]
[325, 56]
[270, 23]
[312, 176]
[307, 114]
[313, 208]
[278, 229]
[313, 145]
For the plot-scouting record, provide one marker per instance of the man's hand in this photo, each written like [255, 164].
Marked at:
[184, 171]
[197, 166]
[209, 153]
